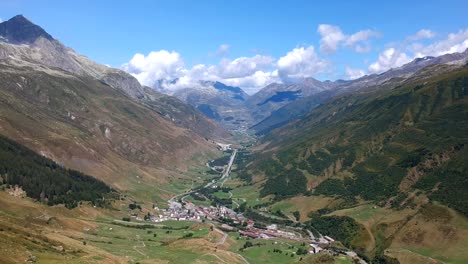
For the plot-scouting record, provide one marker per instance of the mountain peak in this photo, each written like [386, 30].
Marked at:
[20, 19]
[19, 30]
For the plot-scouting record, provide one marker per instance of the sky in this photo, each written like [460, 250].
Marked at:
[252, 43]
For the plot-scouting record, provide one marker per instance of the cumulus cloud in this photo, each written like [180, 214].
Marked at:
[1, 20]
[353, 73]
[389, 58]
[155, 66]
[422, 34]
[394, 57]
[252, 83]
[331, 37]
[301, 63]
[243, 66]
[455, 42]
[167, 70]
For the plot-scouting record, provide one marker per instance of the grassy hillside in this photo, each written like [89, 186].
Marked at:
[401, 147]
[84, 124]
[378, 144]
[290, 112]
[183, 115]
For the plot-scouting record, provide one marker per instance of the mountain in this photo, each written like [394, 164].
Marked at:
[23, 40]
[391, 158]
[94, 118]
[220, 102]
[379, 143]
[298, 107]
[290, 111]
[275, 96]
[19, 30]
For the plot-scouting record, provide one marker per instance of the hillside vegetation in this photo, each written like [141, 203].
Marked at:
[87, 125]
[45, 180]
[378, 144]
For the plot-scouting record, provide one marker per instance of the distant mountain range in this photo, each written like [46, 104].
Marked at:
[302, 105]
[277, 104]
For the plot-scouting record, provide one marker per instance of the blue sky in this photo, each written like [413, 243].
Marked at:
[193, 32]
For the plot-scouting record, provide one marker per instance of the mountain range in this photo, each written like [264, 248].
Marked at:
[278, 103]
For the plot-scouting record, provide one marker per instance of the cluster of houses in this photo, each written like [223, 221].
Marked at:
[192, 212]
[319, 243]
[272, 231]
[223, 147]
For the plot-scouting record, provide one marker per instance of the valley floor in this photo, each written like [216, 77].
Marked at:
[197, 227]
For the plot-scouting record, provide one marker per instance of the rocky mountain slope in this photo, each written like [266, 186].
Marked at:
[220, 102]
[93, 118]
[23, 40]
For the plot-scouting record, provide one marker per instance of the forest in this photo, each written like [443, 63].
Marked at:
[44, 180]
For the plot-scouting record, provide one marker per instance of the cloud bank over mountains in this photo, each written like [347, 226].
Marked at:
[167, 69]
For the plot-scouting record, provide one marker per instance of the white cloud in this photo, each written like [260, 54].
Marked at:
[389, 58]
[301, 63]
[155, 66]
[422, 34]
[395, 57]
[252, 83]
[243, 66]
[1, 20]
[353, 73]
[254, 72]
[223, 49]
[167, 69]
[455, 42]
[332, 37]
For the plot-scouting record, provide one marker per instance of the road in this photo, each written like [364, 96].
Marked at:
[228, 169]
[312, 237]
[221, 180]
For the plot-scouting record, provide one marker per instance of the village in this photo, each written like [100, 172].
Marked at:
[231, 221]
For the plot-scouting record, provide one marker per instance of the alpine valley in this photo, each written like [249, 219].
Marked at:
[96, 167]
